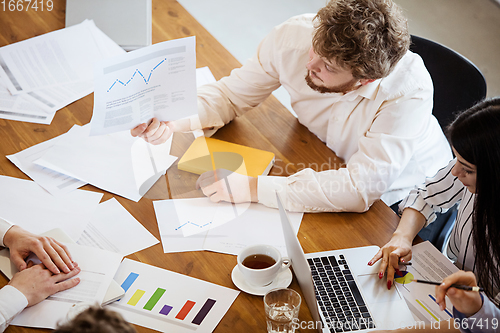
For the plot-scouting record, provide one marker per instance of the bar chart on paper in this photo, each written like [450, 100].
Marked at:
[164, 300]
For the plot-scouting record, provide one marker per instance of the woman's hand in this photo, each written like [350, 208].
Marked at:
[467, 302]
[397, 250]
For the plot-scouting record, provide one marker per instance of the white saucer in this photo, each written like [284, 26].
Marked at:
[283, 280]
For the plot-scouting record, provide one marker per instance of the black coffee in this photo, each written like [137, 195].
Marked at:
[258, 261]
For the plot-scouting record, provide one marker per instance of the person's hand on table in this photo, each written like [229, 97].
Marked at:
[158, 132]
[53, 254]
[214, 185]
[397, 250]
[37, 283]
[467, 302]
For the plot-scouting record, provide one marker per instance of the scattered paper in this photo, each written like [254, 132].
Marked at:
[118, 162]
[199, 224]
[112, 228]
[170, 302]
[54, 182]
[26, 204]
[48, 72]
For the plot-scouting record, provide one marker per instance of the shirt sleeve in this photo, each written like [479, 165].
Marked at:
[12, 302]
[4, 227]
[244, 89]
[484, 321]
[436, 195]
[383, 154]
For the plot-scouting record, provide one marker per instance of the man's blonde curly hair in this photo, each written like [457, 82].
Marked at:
[368, 37]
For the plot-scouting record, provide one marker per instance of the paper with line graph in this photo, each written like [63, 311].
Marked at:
[168, 301]
[431, 265]
[155, 81]
[200, 224]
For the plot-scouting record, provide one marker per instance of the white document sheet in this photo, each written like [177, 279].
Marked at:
[428, 263]
[97, 270]
[170, 302]
[54, 182]
[155, 81]
[26, 204]
[112, 228]
[23, 107]
[118, 162]
[38, 105]
[219, 227]
[56, 58]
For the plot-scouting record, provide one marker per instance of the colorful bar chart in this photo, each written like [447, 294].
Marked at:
[166, 310]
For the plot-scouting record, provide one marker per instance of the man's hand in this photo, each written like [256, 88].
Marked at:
[37, 283]
[54, 255]
[158, 132]
[467, 302]
[225, 185]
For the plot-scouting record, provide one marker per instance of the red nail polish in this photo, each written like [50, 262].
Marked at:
[369, 263]
[389, 284]
[402, 260]
[380, 275]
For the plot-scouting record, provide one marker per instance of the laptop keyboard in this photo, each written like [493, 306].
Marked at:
[338, 295]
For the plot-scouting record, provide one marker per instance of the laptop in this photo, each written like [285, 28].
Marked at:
[127, 22]
[342, 292]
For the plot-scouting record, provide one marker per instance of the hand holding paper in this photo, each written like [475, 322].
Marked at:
[158, 132]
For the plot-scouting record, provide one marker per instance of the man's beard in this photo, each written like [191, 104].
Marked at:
[342, 88]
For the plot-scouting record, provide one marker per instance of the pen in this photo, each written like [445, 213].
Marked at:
[404, 263]
[458, 286]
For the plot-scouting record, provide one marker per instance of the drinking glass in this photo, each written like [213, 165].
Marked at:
[282, 307]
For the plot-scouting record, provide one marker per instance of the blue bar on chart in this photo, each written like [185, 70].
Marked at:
[129, 281]
[205, 309]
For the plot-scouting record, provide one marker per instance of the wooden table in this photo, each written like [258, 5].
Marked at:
[270, 127]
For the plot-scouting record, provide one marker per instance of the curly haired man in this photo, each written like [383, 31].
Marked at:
[364, 94]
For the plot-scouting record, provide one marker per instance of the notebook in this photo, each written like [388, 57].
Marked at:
[342, 292]
[207, 154]
[127, 22]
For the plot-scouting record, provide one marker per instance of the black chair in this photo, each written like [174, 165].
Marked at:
[458, 85]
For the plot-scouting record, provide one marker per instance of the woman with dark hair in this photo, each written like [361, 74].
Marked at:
[473, 180]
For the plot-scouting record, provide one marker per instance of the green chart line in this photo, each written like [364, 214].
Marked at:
[154, 299]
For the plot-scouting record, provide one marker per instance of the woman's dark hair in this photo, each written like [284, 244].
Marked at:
[475, 135]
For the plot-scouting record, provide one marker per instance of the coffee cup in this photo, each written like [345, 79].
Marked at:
[261, 264]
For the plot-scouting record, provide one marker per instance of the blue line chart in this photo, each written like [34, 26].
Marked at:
[196, 225]
[146, 81]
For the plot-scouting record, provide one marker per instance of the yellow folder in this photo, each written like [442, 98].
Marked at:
[206, 154]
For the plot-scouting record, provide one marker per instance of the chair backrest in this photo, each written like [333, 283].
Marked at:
[458, 83]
